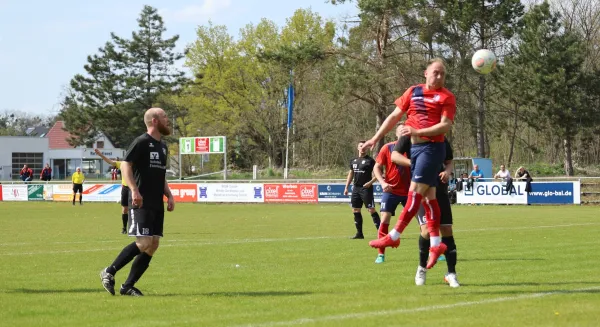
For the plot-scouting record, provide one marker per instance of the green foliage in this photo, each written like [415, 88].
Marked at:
[122, 81]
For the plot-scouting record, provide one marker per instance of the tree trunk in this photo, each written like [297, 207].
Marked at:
[568, 161]
[513, 137]
[481, 119]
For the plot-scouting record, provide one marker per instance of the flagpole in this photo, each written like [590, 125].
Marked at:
[290, 106]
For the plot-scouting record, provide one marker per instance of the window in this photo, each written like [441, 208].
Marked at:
[33, 160]
[100, 144]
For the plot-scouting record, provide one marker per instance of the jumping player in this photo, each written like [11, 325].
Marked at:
[430, 109]
[395, 188]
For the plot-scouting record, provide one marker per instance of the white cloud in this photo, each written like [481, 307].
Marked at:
[196, 13]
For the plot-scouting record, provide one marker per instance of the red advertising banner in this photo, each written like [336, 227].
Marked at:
[291, 193]
[0, 192]
[183, 192]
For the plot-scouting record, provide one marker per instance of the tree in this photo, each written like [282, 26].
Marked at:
[477, 24]
[555, 58]
[122, 81]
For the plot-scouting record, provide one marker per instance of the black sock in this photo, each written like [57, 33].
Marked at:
[129, 252]
[376, 219]
[138, 267]
[80, 197]
[74, 196]
[124, 218]
[423, 251]
[358, 222]
[451, 256]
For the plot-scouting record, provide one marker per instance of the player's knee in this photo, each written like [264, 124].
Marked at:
[446, 230]
[356, 210]
[372, 210]
[144, 243]
[124, 210]
[386, 217]
[424, 232]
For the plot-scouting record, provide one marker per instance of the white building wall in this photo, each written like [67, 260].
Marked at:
[11, 144]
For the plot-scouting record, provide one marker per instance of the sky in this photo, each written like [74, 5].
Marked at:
[43, 44]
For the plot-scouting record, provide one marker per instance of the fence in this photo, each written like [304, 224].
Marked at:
[574, 190]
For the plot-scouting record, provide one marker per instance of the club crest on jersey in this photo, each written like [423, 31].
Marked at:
[154, 156]
[363, 162]
[151, 145]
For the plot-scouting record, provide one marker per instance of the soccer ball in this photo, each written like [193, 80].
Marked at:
[484, 61]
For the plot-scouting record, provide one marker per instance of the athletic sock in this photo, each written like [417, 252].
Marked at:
[127, 254]
[433, 216]
[382, 231]
[423, 251]
[138, 267]
[451, 256]
[358, 222]
[124, 219]
[408, 212]
[376, 219]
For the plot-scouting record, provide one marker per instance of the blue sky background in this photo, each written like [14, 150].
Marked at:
[44, 43]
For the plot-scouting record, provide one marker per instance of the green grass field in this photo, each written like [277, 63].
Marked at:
[518, 266]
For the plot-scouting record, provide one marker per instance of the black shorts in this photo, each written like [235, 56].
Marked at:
[124, 196]
[78, 188]
[146, 222]
[360, 196]
[445, 209]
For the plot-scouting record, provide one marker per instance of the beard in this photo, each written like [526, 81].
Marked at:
[163, 129]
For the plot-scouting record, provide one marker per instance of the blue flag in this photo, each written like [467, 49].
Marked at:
[290, 104]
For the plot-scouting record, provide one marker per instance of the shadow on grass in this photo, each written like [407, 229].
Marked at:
[53, 291]
[533, 292]
[239, 294]
[532, 283]
[503, 259]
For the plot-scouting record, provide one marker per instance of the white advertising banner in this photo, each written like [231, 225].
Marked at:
[230, 192]
[14, 192]
[492, 193]
[91, 192]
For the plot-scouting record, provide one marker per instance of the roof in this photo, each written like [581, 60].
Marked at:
[57, 137]
[39, 131]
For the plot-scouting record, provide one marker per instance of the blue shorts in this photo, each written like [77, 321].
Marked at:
[426, 161]
[389, 202]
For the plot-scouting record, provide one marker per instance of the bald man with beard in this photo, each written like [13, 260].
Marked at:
[144, 170]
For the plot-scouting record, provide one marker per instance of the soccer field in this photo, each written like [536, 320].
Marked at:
[518, 266]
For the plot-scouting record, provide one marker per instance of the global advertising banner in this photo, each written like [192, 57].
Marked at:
[555, 193]
[492, 193]
[14, 192]
[291, 193]
[35, 192]
[221, 192]
[184, 192]
[335, 193]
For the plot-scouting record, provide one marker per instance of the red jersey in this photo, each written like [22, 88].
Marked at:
[397, 176]
[425, 108]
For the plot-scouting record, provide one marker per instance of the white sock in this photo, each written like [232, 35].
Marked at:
[394, 234]
[435, 240]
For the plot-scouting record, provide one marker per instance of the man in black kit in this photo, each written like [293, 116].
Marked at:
[144, 169]
[361, 171]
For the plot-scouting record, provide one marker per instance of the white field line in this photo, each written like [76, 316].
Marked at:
[178, 243]
[371, 314]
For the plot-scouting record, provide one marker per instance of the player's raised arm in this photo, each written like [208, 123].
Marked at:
[106, 159]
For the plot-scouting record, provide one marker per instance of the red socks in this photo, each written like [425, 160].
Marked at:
[410, 210]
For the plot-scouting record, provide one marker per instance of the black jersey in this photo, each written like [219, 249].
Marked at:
[363, 170]
[148, 158]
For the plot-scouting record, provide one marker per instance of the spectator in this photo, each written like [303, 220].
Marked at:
[474, 176]
[503, 174]
[46, 174]
[452, 182]
[114, 172]
[26, 174]
[523, 174]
